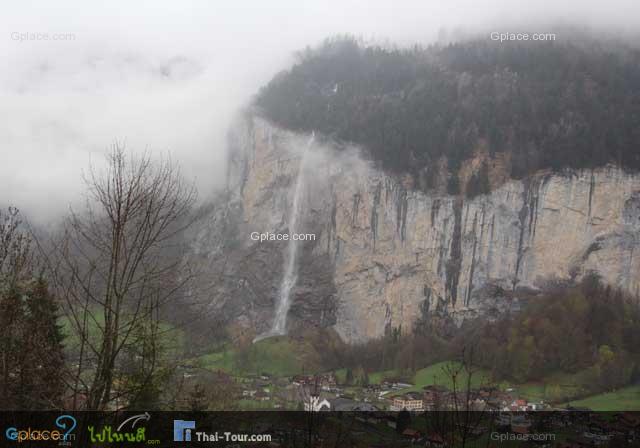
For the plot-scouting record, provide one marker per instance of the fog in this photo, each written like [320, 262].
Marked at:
[169, 76]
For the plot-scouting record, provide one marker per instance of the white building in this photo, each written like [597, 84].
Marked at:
[314, 404]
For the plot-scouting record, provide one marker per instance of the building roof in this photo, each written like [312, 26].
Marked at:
[410, 432]
[346, 404]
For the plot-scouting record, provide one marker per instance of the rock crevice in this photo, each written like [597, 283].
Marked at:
[386, 255]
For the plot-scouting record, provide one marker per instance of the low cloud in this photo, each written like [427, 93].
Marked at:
[169, 76]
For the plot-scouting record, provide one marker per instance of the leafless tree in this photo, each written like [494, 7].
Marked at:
[460, 417]
[116, 264]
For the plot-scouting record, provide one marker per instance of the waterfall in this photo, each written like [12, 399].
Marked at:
[290, 276]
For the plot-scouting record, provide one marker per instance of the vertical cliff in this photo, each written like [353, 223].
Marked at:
[387, 255]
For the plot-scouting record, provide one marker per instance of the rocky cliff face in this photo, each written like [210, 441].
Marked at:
[388, 256]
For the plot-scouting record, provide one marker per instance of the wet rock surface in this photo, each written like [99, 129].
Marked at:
[386, 256]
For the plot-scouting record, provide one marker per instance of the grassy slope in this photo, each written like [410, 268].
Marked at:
[374, 377]
[555, 388]
[171, 340]
[278, 356]
[439, 374]
[627, 399]
[379, 377]
[436, 374]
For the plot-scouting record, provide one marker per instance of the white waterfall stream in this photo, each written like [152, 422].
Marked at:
[290, 275]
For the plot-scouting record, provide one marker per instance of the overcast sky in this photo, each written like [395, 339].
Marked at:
[168, 76]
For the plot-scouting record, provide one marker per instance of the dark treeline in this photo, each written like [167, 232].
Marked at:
[588, 329]
[31, 340]
[548, 105]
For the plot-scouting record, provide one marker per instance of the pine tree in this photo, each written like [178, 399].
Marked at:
[349, 376]
[31, 340]
[47, 334]
[32, 348]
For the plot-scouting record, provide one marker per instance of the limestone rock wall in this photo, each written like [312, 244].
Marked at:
[386, 255]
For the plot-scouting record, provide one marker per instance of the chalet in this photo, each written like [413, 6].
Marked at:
[487, 392]
[302, 380]
[327, 380]
[261, 395]
[412, 434]
[536, 406]
[316, 404]
[434, 440]
[372, 388]
[477, 404]
[518, 405]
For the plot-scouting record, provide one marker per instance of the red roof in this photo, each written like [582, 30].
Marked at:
[411, 433]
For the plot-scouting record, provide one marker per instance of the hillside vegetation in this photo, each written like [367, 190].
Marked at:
[563, 104]
[591, 328]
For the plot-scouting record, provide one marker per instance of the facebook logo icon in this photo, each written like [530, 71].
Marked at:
[182, 430]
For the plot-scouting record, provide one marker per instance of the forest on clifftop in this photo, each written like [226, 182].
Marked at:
[547, 105]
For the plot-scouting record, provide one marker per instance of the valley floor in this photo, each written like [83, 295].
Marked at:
[279, 374]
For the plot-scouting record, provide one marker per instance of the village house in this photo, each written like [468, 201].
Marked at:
[434, 440]
[477, 404]
[372, 388]
[434, 397]
[410, 401]
[249, 392]
[518, 405]
[302, 380]
[327, 381]
[411, 434]
[316, 404]
[261, 395]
